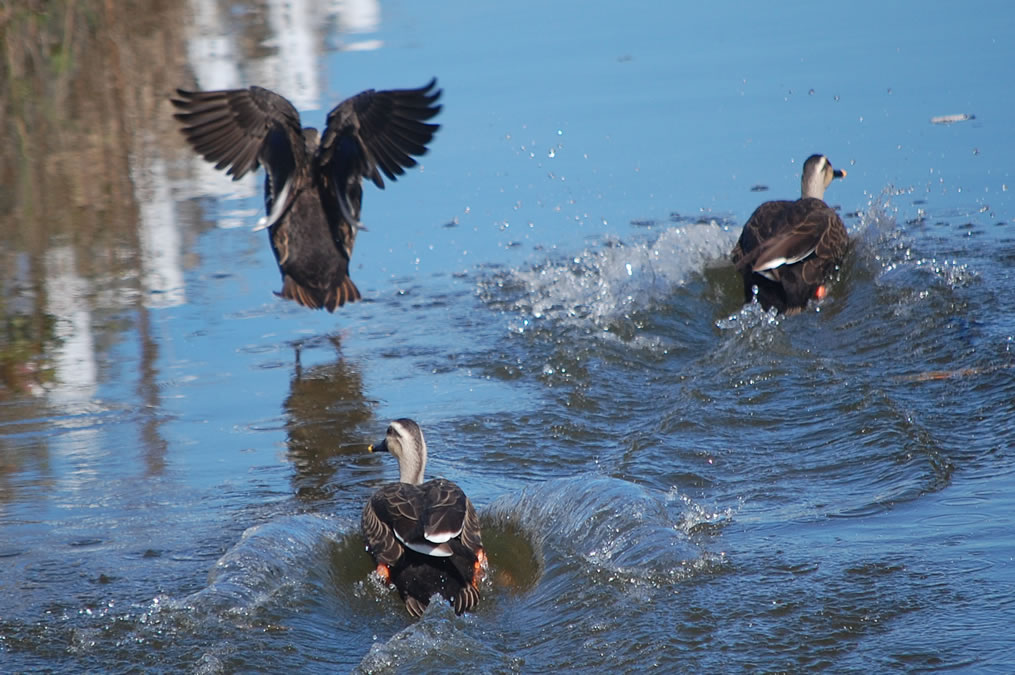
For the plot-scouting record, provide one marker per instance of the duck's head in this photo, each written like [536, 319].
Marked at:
[817, 175]
[404, 440]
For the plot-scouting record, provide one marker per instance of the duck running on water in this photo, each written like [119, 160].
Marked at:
[424, 537]
[788, 249]
[313, 182]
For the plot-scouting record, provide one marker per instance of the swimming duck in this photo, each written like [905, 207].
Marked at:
[313, 182]
[788, 249]
[424, 537]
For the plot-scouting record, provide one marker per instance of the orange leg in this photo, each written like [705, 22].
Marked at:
[478, 568]
[384, 573]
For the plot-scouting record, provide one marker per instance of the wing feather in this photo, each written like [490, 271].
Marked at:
[378, 131]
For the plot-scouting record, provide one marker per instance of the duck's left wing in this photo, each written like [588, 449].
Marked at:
[378, 132]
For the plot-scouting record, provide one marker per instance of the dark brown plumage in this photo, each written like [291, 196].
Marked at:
[788, 249]
[424, 537]
[313, 184]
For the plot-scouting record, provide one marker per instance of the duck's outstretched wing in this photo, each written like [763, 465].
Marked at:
[368, 134]
[241, 129]
[378, 131]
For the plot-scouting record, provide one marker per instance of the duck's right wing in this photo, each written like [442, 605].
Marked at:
[240, 129]
[391, 507]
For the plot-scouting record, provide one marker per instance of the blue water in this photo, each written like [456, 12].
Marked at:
[667, 480]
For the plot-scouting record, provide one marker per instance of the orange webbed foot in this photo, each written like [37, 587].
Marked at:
[479, 568]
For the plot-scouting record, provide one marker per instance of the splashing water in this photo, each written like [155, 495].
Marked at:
[602, 285]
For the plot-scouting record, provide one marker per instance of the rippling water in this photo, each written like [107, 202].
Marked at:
[666, 480]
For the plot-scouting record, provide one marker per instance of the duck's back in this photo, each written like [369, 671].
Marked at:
[787, 249]
[428, 536]
[312, 245]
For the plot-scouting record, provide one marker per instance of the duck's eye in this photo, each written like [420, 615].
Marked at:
[390, 431]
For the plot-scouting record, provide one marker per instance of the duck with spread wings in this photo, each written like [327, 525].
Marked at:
[313, 182]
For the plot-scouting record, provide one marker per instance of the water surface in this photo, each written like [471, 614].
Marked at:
[667, 480]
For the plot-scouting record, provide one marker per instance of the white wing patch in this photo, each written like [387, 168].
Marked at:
[277, 208]
[439, 550]
[346, 209]
[779, 262]
[441, 537]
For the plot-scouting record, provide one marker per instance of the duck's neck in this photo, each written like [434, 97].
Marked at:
[812, 185]
[410, 468]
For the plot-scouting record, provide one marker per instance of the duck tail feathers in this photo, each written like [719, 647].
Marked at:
[314, 298]
[343, 292]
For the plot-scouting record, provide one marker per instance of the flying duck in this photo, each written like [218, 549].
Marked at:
[424, 537]
[313, 182]
[788, 249]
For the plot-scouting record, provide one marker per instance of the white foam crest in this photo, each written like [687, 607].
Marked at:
[434, 642]
[878, 236]
[696, 517]
[749, 319]
[268, 558]
[620, 530]
[608, 283]
[887, 247]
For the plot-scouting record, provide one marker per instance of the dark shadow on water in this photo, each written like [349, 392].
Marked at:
[327, 420]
